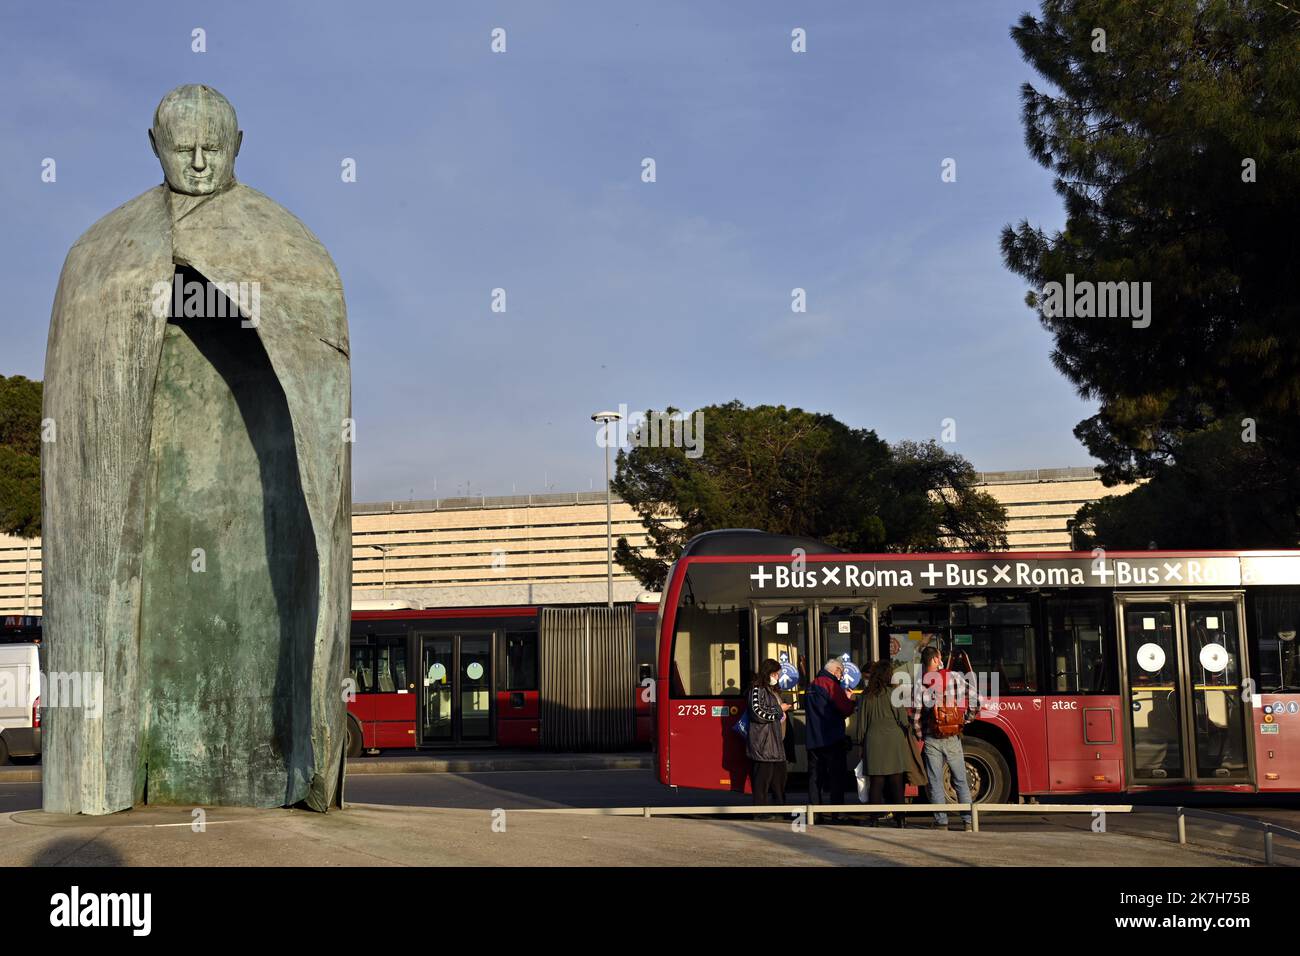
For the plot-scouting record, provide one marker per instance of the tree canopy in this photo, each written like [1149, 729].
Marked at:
[1173, 130]
[20, 456]
[788, 471]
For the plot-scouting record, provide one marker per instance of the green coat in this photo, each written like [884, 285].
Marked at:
[886, 747]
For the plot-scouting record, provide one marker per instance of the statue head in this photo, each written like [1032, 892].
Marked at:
[196, 138]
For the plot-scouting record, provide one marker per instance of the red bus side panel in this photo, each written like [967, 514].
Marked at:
[715, 758]
[362, 707]
[393, 717]
[1085, 746]
[1277, 751]
[518, 718]
[1024, 722]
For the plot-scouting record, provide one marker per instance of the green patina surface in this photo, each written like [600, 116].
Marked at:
[226, 636]
[222, 686]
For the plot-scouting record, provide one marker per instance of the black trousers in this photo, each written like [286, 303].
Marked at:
[768, 776]
[887, 787]
[827, 773]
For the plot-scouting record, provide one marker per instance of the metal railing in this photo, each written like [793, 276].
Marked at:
[811, 810]
[1269, 830]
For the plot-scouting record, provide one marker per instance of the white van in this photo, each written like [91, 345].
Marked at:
[20, 701]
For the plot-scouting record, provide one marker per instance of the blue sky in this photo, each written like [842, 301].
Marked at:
[522, 170]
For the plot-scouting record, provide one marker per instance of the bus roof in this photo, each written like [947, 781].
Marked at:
[750, 541]
[744, 544]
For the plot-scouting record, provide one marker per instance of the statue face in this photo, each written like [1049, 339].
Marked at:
[196, 139]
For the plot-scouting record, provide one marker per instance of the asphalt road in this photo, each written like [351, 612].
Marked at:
[544, 788]
[19, 796]
[485, 791]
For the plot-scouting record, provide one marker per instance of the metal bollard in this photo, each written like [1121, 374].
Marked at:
[1182, 827]
[1268, 844]
[974, 818]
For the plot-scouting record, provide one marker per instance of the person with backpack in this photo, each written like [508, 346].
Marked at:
[937, 720]
[766, 737]
[829, 704]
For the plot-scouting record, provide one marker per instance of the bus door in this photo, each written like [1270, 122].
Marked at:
[456, 703]
[783, 633]
[1183, 657]
[848, 628]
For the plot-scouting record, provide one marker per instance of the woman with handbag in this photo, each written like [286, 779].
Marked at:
[887, 749]
[766, 738]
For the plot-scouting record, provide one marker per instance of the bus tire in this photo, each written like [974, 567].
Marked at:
[987, 771]
[4, 752]
[356, 744]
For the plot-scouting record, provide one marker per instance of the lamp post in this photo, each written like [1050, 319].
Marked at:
[27, 577]
[606, 419]
[383, 550]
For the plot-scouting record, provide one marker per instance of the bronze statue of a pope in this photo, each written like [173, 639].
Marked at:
[196, 494]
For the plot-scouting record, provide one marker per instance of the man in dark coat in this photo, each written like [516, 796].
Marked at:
[828, 706]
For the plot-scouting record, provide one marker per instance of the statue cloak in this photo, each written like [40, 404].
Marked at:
[189, 714]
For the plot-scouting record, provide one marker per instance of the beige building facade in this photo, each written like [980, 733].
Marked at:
[1041, 501]
[550, 549]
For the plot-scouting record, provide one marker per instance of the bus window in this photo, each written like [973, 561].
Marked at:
[1076, 649]
[363, 668]
[1214, 653]
[390, 665]
[906, 629]
[645, 631]
[923, 615]
[846, 629]
[710, 651]
[999, 639]
[1276, 657]
[521, 661]
[784, 630]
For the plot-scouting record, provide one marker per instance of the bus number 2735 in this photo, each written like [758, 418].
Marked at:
[692, 710]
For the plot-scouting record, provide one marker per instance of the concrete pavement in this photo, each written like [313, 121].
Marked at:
[370, 835]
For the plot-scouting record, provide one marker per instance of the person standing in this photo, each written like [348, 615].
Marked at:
[766, 738]
[886, 745]
[937, 720]
[829, 704]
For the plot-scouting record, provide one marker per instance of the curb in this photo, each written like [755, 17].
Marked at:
[369, 765]
[363, 765]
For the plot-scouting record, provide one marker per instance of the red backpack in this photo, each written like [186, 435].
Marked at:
[948, 717]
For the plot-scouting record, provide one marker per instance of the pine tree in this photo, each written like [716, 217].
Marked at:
[1173, 131]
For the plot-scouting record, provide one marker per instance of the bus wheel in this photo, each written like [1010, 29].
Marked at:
[4, 752]
[355, 748]
[987, 773]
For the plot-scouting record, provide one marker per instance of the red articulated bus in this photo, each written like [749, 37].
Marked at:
[1109, 671]
[502, 677]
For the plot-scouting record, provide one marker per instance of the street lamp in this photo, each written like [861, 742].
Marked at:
[383, 550]
[606, 419]
[27, 577]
